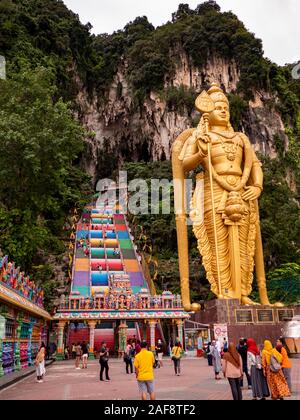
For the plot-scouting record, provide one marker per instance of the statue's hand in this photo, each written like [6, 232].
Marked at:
[202, 141]
[251, 193]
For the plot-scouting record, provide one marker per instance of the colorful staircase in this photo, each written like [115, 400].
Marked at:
[106, 235]
[104, 248]
[81, 262]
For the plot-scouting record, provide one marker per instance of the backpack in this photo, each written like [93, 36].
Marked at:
[176, 355]
[275, 366]
[258, 362]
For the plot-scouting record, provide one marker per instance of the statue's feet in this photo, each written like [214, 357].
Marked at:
[266, 302]
[278, 305]
[247, 301]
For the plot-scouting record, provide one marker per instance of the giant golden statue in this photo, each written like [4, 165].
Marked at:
[224, 207]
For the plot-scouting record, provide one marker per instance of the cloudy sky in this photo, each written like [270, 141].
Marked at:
[276, 22]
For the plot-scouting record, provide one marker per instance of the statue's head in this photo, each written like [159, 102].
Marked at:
[221, 115]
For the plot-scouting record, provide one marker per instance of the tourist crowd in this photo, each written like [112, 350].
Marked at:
[268, 370]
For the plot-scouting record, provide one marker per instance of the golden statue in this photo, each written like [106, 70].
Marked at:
[224, 207]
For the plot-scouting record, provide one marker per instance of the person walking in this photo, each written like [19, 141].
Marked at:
[143, 364]
[176, 357]
[232, 366]
[209, 356]
[137, 347]
[66, 353]
[242, 350]
[78, 352]
[286, 364]
[40, 363]
[216, 359]
[260, 388]
[128, 357]
[73, 351]
[159, 353]
[225, 345]
[271, 362]
[104, 356]
[85, 354]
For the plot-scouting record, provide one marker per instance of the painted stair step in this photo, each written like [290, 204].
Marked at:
[123, 235]
[131, 266]
[100, 227]
[99, 279]
[83, 290]
[82, 264]
[81, 278]
[82, 234]
[128, 254]
[122, 228]
[137, 279]
[96, 234]
[97, 253]
[126, 244]
[102, 221]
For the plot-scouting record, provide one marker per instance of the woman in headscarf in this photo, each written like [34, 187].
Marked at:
[259, 383]
[216, 359]
[286, 364]
[232, 366]
[271, 362]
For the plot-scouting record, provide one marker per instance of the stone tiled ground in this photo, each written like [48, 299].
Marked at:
[63, 382]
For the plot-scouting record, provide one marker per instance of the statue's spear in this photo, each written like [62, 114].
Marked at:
[205, 105]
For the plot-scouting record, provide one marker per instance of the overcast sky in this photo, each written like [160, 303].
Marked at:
[276, 22]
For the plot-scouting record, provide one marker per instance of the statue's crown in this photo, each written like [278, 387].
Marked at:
[217, 94]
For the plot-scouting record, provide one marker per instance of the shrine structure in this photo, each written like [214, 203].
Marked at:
[110, 299]
[23, 319]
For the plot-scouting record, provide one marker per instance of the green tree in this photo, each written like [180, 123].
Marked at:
[39, 181]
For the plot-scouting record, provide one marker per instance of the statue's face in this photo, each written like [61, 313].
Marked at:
[220, 116]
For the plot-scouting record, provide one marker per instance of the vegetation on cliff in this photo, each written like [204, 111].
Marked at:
[40, 181]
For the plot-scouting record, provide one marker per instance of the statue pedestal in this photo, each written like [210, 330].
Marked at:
[258, 322]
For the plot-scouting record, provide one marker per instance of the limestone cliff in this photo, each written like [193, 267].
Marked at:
[124, 131]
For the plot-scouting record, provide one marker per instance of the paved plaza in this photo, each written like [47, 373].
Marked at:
[64, 382]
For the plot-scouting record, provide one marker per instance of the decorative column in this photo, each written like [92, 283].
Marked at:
[179, 323]
[92, 325]
[2, 336]
[40, 333]
[174, 333]
[152, 324]
[30, 362]
[122, 338]
[60, 344]
[17, 345]
[145, 331]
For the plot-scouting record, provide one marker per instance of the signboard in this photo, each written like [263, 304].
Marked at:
[284, 314]
[221, 332]
[243, 316]
[265, 315]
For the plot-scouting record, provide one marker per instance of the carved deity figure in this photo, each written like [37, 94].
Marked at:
[224, 207]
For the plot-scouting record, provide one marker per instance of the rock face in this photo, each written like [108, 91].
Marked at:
[124, 131]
